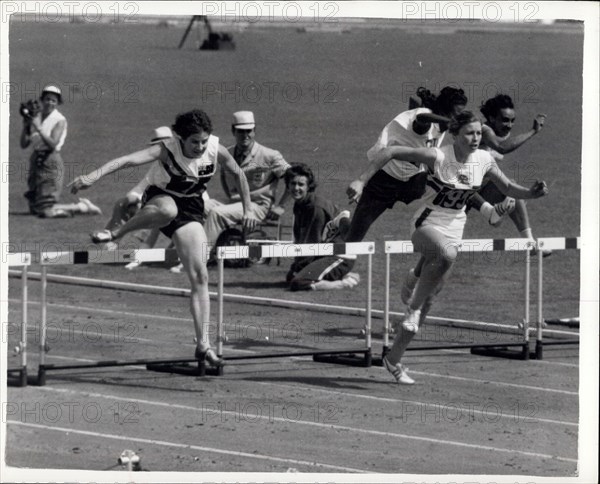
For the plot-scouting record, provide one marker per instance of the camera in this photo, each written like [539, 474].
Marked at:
[29, 109]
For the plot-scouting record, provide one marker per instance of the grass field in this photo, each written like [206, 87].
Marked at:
[320, 98]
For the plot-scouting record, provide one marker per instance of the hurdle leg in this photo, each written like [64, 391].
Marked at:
[505, 352]
[41, 369]
[539, 352]
[386, 308]
[220, 332]
[527, 304]
[23, 344]
[368, 326]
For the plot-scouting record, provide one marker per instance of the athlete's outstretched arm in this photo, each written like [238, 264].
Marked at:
[490, 139]
[141, 157]
[510, 188]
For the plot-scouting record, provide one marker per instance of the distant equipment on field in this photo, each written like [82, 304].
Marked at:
[214, 41]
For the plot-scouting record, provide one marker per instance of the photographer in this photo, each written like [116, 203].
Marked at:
[45, 129]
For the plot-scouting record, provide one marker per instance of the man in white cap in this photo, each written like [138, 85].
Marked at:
[46, 131]
[263, 167]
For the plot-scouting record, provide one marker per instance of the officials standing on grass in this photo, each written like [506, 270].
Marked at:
[173, 202]
[455, 172]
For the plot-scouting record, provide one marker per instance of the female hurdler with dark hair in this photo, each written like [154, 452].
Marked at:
[173, 202]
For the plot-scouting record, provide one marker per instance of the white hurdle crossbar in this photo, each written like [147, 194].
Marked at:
[23, 260]
[299, 250]
[488, 245]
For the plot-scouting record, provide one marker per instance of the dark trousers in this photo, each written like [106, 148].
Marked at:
[380, 193]
[45, 180]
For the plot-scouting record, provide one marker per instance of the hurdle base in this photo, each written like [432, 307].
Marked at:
[186, 369]
[18, 380]
[504, 352]
[348, 359]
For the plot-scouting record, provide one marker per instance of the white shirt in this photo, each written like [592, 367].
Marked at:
[47, 126]
[399, 132]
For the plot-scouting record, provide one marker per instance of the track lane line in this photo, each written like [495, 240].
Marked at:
[329, 426]
[188, 447]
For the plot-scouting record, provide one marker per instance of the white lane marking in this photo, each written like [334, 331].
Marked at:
[186, 446]
[328, 426]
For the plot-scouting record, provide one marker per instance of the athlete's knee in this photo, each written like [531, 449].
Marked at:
[198, 273]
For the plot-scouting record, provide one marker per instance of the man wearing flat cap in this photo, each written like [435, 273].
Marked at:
[263, 167]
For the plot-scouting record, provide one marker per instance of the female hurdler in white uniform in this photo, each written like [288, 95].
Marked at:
[455, 173]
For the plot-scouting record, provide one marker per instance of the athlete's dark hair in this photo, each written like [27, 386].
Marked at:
[300, 169]
[192, 122]
[461, 119]
[492, 106]
[443, 103]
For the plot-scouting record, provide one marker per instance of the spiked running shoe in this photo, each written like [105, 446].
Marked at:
[398, 371]
[102, 236]
[501, 209]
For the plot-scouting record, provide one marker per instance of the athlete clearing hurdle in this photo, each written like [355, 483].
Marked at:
[183, 165]
[455, 173]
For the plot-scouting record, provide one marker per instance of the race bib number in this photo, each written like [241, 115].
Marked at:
[451, 198]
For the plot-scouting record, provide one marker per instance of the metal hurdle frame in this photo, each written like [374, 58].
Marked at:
[345, 356]
[489, 245]
[23, 260]
[553, 243]
[106, 257]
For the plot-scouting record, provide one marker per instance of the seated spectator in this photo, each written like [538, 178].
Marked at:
[315, 222]
[263, 168]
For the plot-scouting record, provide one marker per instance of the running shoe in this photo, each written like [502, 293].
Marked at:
[398, 371]
[209, 356]
[178, 269]
[102, 236]
[133, 265]
[409, 286]
[411, 320]
[502, 209]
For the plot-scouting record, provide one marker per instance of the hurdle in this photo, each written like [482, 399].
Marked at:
[552, 243]
[488, 245]
[339, 356]
[23, 260]
[49, 258]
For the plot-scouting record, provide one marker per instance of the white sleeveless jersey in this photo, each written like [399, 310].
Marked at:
[399, 132]
[48, 125]
[182, 176]
[449, 187]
